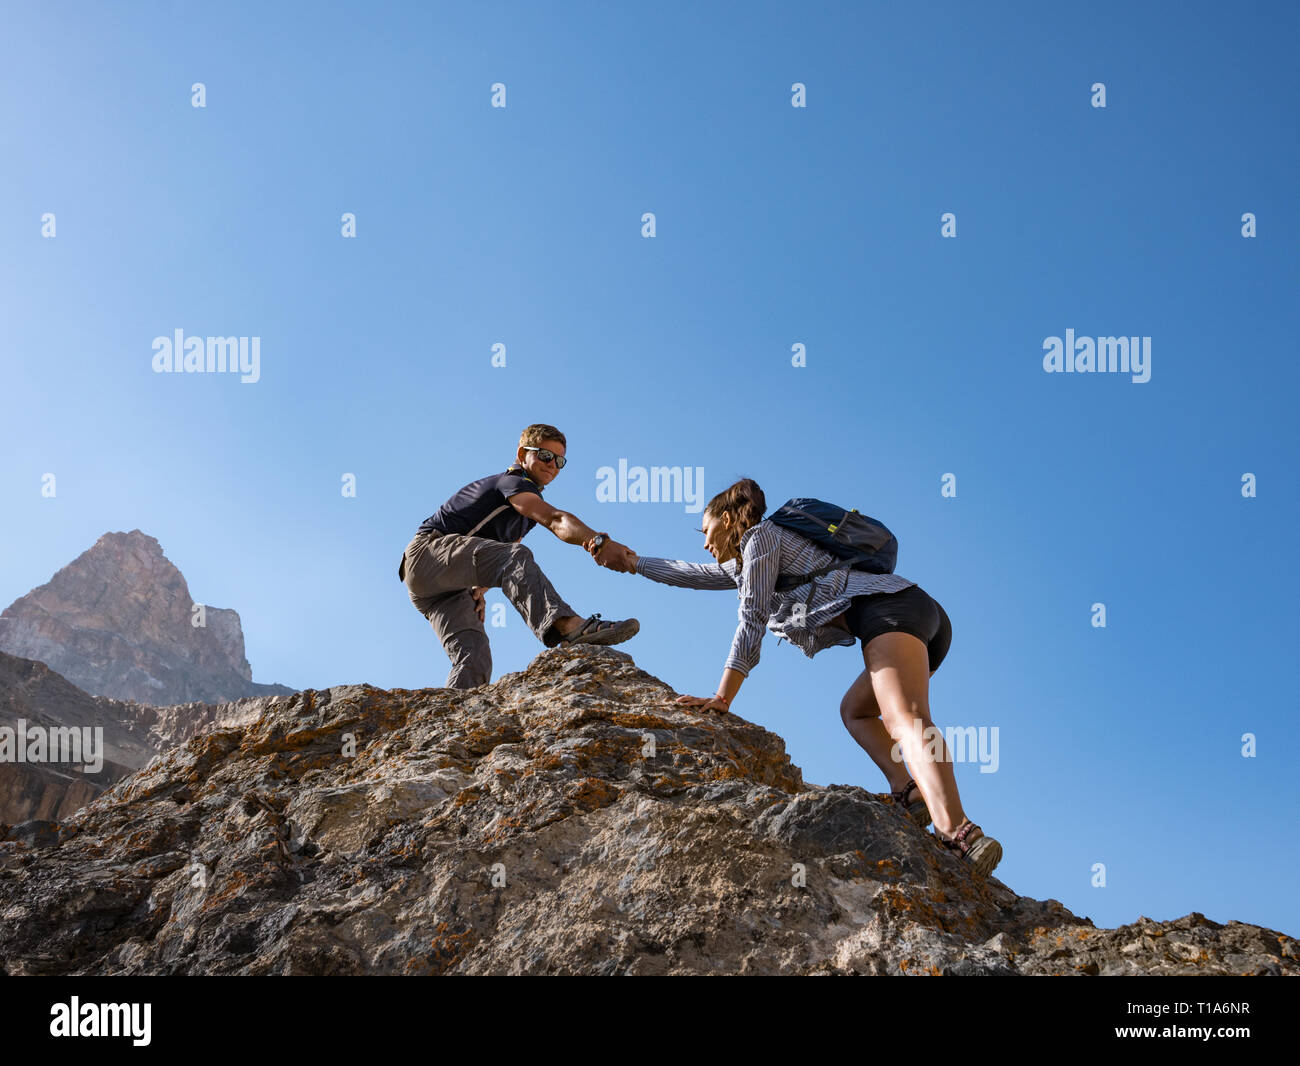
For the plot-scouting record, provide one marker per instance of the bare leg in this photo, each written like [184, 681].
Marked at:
[860, 714]
[900, 676]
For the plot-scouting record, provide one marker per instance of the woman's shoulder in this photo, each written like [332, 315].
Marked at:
[763, 534]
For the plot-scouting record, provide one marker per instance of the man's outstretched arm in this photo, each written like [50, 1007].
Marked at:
[569, 528]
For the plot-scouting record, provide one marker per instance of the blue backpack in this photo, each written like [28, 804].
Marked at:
[860, 542]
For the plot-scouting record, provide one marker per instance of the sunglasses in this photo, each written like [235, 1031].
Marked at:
[548, 456]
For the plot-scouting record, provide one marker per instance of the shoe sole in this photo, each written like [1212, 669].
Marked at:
[920, 814]
[984, 856]
[621, 632]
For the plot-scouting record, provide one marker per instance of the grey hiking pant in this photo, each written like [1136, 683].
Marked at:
[438, 570]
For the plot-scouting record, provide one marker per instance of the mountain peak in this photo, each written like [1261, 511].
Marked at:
[136, 539]
[119, 621]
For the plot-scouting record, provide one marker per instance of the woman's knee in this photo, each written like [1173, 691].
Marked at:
[859, 701]
[852, 707]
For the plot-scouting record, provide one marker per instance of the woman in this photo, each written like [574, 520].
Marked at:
[904, 632]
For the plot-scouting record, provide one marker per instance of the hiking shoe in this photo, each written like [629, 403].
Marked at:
[916, 810]
[983, 852]
[595, 631]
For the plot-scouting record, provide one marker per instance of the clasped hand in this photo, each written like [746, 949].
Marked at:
[612, 555]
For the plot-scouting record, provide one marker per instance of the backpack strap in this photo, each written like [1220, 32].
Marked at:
[786, 582]
[488, 519]
[401, 569]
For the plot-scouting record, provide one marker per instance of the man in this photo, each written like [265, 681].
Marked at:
[472, 544]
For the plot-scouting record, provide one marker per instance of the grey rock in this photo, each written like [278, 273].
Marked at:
[519, 828]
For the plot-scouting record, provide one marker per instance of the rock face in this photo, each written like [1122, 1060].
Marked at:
[132, 733]
[117, 621]
[566, 819]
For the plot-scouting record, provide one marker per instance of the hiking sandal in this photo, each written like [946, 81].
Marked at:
[983, 852]
[918, 811]
[595, 631]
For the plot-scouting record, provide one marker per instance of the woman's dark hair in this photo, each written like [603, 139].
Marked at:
[745, 503]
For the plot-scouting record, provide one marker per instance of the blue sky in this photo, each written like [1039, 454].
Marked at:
[775, 225]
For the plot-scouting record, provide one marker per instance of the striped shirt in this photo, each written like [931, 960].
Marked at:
[800, 615]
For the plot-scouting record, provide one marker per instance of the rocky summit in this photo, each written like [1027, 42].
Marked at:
[567, 819]
[118, 621]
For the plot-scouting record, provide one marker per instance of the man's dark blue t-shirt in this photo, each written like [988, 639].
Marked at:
[468, 507]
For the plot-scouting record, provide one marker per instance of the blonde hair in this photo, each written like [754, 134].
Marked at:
[745, 503]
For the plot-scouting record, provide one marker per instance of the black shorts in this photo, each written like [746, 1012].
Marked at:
[912, 611]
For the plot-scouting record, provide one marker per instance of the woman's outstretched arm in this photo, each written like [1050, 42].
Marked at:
[684, 575]
[616, 556]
